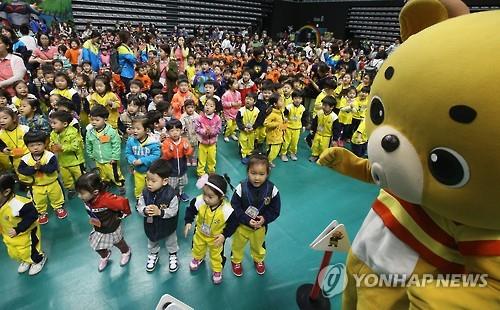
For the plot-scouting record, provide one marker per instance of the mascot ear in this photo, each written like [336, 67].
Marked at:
[417, 15]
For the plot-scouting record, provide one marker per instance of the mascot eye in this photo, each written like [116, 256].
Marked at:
[377, 112]
[448, 167]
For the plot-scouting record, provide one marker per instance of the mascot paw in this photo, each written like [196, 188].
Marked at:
[331, 157]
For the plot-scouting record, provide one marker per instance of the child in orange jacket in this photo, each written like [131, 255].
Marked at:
[142, 75]
[176, 149]
[180, 96]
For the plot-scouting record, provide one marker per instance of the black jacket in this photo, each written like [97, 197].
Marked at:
[165, 224]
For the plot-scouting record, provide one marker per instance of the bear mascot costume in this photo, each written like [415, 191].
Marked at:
[434, 149]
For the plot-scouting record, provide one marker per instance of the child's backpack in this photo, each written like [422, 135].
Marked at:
[113, 61]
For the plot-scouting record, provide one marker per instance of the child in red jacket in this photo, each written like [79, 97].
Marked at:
[176, 149]
[246, 85]
[106, 211]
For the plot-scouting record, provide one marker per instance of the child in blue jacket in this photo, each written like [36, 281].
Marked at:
[141, 151]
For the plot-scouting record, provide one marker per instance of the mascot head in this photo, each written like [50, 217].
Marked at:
[434, 111]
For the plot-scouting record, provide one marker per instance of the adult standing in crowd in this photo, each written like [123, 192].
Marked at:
[257, 65]
[91, 52]
[18, 46]
[45, 52]
[227, 43]
[181, 52]
[12, 67]
[148, 47]
[29, 41]
[126, 57]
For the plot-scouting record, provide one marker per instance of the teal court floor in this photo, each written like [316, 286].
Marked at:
[311, 197]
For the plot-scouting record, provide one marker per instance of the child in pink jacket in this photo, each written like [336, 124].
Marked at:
[208, 126]
[231, 102]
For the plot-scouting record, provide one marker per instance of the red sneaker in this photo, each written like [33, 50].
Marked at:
[237, 269]
[43, 218]
[260, 268]
[61, 213]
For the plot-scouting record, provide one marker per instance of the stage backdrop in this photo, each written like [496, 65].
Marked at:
[18, 12]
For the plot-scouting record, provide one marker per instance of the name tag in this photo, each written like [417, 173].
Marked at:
[252, 212]
[104, 139]
[205, 229]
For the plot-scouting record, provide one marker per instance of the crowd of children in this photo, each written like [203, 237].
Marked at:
[161, 125]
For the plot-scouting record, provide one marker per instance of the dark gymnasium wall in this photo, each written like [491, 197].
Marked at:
[337, 17]
[334, 14]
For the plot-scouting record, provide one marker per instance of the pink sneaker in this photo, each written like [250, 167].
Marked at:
[104, 262]
[195, 264]
[125, 258]
[217, 278]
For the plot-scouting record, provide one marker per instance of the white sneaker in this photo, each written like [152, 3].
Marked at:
[23, 267]
[125, 258]
[173, 266]
[284, 158]
[234, 137]
[104, 262]
[226, 139]
[152, 261]
[36, 268]
[293, 157]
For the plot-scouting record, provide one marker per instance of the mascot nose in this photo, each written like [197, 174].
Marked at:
[390, 143]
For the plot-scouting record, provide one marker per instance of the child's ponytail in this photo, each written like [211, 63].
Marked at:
[273, 100]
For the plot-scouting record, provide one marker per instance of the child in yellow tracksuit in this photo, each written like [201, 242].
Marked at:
[42, 166]
[19, 228]
[275, 127]
[12, 143]
[324, 126]
[329, 87]
[359, 141]
[246, 121]
[67, 143]
[360, 108]
[256, 203]
[103, 146]
[347, 107]
[215, 222]
[296, 120]
[262, 105]
[104, 96]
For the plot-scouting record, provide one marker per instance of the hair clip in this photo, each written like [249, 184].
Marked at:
[202, 181]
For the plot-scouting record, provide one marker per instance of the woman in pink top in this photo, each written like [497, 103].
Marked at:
[12, 67]
[180, 53]
[45, 52]
[231, 102]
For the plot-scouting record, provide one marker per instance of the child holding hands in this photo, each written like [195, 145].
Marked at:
[159, 205]
[215, 222]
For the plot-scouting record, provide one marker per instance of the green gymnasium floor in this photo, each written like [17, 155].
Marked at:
[311, 197]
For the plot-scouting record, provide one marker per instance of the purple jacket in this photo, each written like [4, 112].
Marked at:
[208, 129]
